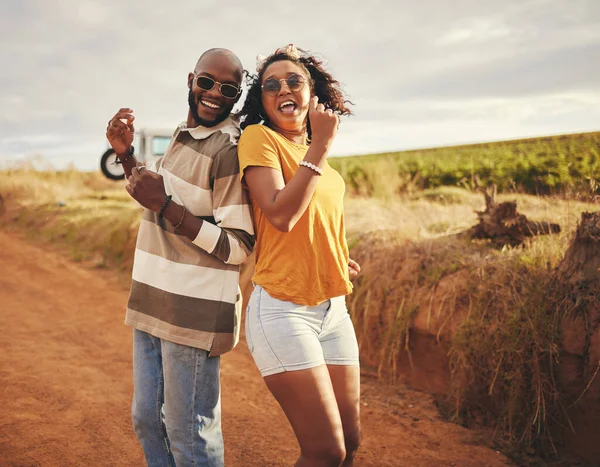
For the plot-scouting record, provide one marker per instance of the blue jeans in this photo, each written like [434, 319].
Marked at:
[186, 431]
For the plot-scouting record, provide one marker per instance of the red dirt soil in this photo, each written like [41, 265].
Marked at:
[66, 385]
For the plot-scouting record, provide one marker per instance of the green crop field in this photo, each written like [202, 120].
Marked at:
[549, 165]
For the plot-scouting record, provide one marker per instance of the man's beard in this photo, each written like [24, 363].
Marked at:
[199, 120]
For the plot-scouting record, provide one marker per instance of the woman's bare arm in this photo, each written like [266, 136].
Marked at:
[285, 204]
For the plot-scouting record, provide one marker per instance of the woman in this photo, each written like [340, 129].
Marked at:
[297, 325]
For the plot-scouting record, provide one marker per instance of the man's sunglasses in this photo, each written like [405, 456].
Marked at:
[227, 90]
[273, 86]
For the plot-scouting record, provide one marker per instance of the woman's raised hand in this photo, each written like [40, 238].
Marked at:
[323, 123]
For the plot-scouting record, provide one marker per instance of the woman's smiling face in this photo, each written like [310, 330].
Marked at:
[286, 109]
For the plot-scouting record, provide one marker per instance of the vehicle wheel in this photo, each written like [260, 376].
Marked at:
[109, 167]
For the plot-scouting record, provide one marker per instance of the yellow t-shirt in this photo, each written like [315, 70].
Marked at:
[309, 264]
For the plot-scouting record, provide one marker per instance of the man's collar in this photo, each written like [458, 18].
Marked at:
[230, 126]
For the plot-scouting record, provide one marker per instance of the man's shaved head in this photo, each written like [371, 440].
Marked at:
[224, 52]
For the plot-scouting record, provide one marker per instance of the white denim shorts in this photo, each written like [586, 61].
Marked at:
[283, 336]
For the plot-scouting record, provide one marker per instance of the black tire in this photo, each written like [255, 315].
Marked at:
[109, 168]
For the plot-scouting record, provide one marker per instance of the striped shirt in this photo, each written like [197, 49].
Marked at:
[183, 291]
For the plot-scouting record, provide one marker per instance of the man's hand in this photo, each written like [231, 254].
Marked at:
[119, 134]
[146, 187]
[353, 268]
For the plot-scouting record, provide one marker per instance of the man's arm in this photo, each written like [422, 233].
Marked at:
[232, 238]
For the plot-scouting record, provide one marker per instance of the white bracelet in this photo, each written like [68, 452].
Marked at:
[312, 166]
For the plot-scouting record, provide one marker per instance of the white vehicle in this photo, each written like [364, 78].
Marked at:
[149, 144]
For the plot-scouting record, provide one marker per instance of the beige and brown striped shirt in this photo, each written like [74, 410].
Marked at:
[183, 291]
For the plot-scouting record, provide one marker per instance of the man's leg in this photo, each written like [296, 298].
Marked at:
[192, 405]
[148, 390]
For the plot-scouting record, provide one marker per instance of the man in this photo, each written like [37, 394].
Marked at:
[184, 303]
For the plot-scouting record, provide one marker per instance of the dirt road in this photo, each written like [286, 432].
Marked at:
[65, 383]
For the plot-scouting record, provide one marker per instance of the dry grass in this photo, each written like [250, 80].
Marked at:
[496, 311]
[93, 218]
[447, 210]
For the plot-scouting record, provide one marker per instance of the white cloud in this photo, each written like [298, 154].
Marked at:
[421, 74]
[475, 30]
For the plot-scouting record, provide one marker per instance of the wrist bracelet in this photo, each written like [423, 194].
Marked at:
[127, 157]
[182, 217]
[312, 166]
[167, 199]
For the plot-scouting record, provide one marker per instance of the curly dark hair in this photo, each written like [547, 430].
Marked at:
[322, 84]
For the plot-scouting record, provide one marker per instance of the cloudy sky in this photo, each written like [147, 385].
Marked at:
[421, 74]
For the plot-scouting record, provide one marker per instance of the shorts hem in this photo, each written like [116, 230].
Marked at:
[342, 361]
[297, 367]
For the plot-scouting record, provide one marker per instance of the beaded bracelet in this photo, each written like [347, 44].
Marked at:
[312, 166]
[167, 199]
[127, 157]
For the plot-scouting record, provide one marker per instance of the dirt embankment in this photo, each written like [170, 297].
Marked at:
[523, 342]
[65, 372]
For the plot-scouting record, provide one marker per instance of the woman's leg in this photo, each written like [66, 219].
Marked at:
[340, 351]
[283, 340]
[346, 387]
[308, 400]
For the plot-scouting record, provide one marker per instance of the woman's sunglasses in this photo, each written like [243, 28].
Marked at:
[273, 86]
[227, 90]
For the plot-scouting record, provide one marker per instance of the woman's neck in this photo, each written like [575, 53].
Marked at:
[298, 136]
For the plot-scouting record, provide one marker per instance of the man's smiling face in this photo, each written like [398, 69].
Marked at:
[209, 107]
